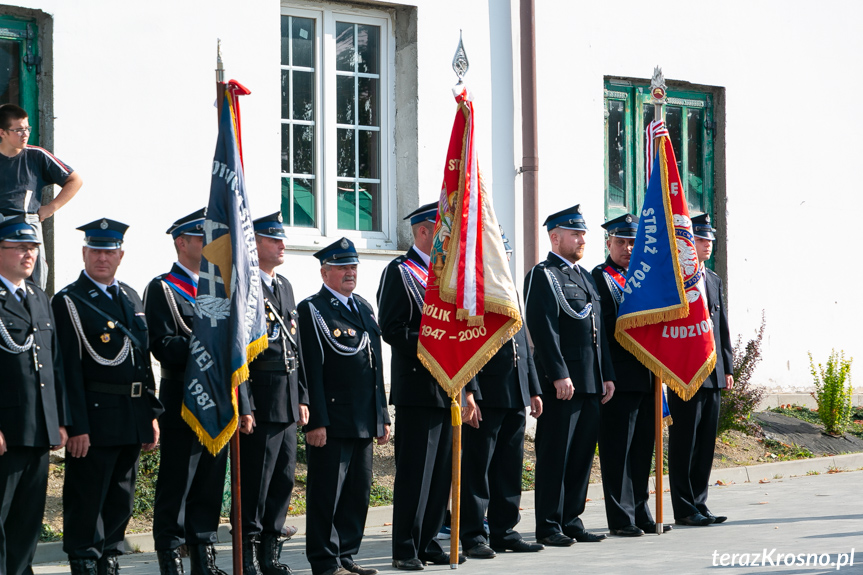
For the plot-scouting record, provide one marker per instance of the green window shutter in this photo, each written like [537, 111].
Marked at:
[19, 65]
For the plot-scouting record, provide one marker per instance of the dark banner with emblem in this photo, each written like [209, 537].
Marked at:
[229, 327]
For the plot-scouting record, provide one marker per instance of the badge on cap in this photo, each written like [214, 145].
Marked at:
[578, 209]
[105, 337]
[628, 219]
[344, 243]
[337, 332]
[279, 217]
[104, 224]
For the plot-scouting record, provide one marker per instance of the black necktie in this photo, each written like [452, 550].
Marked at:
[22, 297]
[353, 306]
[114, 290]
[275, 289]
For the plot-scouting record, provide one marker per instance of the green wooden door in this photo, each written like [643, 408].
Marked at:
[19, 66]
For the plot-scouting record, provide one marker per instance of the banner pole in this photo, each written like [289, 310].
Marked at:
[657, 91]
[236, 523]
[455, 522]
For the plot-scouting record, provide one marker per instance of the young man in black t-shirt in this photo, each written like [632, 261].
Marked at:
[24, 172]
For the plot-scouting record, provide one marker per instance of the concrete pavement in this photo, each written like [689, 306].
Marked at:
[813, 517]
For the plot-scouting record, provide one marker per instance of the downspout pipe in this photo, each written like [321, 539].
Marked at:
[530, 148]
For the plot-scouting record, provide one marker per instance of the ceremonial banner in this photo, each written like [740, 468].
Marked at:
[229, 327]
[663, 318]
[470, 307]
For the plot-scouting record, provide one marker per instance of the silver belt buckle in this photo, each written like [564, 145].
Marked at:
[137, 388]
[291, 364]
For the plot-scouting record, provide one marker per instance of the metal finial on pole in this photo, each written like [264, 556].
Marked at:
[657, 92]
[460, 63]
[220, 68]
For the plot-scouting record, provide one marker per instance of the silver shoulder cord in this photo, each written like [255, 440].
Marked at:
[561, 299]
[612, 287]
[76, 321]
[175, 311]
[331, 341]
[11, 346]
[410, 286]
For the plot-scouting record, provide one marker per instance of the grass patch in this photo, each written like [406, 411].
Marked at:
[778, 451]
[380, 495]
[145, 485]
[528, 475]
[48, 534]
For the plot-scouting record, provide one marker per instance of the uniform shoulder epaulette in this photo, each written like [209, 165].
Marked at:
[310, 298]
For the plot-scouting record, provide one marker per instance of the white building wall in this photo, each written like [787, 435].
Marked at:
[133, 100]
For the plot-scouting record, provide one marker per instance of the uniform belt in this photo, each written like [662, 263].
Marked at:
[134, 389]
[290, 366]
[173, 373]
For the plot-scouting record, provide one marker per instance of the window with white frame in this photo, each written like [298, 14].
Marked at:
[336, 117]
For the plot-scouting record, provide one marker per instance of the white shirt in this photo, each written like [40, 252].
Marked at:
[268, 279]
[570, 264]
[12, 287]
[425, 257]
[192, 274]
[102, 286]
[342, 298]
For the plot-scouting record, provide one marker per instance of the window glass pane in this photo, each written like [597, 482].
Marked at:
[674, 123]
[304, 149]
[345, 99]
[286, 148]
[616, 127]
[301, 205]
[369, 149]
[367, 92]
[345, 153]
[648, 115]
[286, 39]
[345, 54]
[368, 49]
[10, 54]
[347, 206]
[304, 95]
[286, 93]
[369, 209]
[303, 40]
[695, 159]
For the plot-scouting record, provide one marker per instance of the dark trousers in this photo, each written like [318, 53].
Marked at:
[188, 491]
[691, 443]
[565, 445]
[337, 500]
[23, 485]
[492, 459]
[268, 459]
[626, 438]
[423, 446]
[97, 500]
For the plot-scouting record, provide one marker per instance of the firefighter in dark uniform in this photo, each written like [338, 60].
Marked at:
[33, 409]
[564, 318]
[627, 421]
[692, 438]
[423, 442]
[191, 481]
[493, 449]
[348, 409]
[109, 382]
[277, 403]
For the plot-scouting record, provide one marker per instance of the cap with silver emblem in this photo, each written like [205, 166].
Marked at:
[701, 227]
[270, 226]
[16, 229]
[191, 225]
[104, 234]
[568, 219]
[339, 253]
[624, 226]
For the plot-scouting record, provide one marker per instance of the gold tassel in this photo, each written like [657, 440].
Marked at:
[455, 408]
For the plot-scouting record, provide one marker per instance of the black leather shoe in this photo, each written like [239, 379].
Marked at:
[716, 518]
[586, 536]
[442, 559]
[337, 571]
[480, 551]
[694, 520]
[651, 527]
[628, 531]
[170, 562]
[356, 568]
[557, 540]
[520, 546]
[408, 564]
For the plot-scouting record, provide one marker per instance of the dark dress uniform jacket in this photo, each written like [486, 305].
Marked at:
[109, 418]
[335, 402]
[32, 404]
[721, 335]
[631, 374]
[278, 393]
[503, 387]
[411, 384]
[565, 346]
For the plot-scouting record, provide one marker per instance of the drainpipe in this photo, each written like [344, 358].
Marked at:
[530, 149]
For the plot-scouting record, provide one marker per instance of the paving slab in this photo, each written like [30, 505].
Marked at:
[813, 517]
